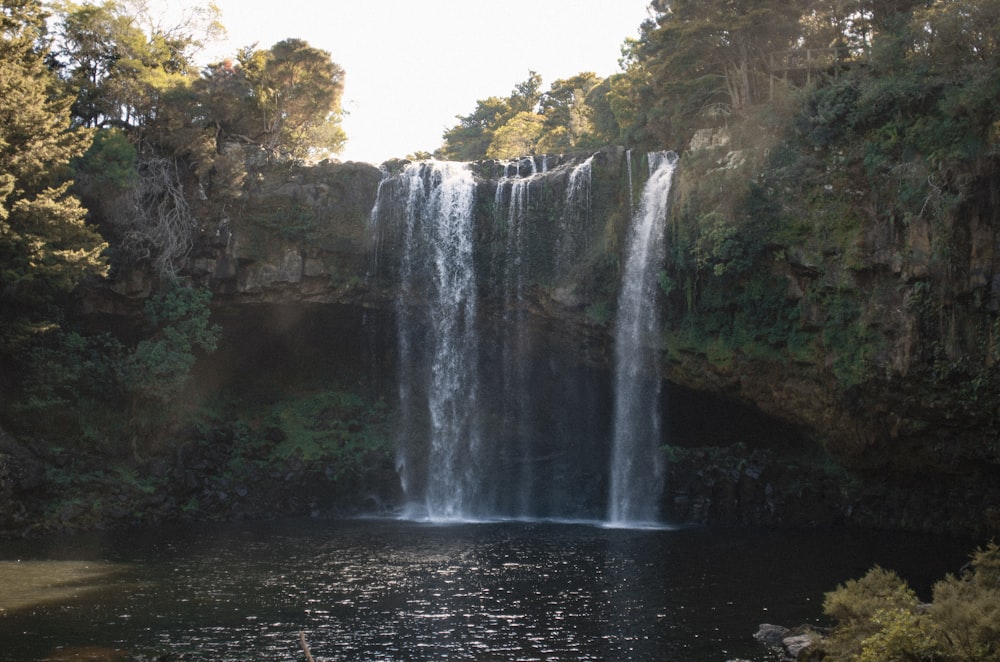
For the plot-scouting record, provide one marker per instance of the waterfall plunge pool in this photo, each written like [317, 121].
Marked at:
[402, 590]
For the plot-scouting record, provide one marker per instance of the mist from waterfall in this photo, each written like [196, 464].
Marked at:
[636, 479]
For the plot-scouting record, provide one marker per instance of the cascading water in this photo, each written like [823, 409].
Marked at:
[576, 217]
[636, 466]
[498, 417]
[631, 186]
[514, 342]
[438, 344]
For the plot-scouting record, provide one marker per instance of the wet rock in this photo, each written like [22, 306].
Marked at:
[771, 635]
[796, 645]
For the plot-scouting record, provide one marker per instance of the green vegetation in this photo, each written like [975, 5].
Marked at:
[330, 427]
[804, 186]
[46, 247]
[105, 120]
[837, 191]
[572, 116]
[879, 618]
[75, 385]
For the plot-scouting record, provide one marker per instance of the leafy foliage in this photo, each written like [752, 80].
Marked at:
[329, 424]
[967, 607]
[122, 63]
[879, 617]
[158, 368]
[572, 115]
[69, 381]
[864, 608]
[46, 246]
[294, 93]
[517, 137]
[471, 138]
[74, 384]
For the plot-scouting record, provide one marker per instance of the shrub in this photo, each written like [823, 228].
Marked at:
[880, 619]
[967, 608]
[872, 613]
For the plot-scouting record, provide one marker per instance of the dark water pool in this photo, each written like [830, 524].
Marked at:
[399, 590]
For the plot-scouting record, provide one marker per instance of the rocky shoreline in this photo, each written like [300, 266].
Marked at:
[793, 645]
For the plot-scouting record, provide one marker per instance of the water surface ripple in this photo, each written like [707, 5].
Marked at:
[381, 590]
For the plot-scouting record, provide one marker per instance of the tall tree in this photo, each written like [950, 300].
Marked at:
[123, 62]
[568, 113]
[471, 138]
[517, 137]
[295, 92]
[46, 247]
[701, 58]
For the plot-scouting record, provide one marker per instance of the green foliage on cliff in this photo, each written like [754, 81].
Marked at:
[812, 210]
[105, 94]
[879, 617]
[156, 370]
[76, 385]
[332, 426]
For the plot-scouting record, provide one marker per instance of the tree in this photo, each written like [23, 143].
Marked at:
[75, 385]
[471, 138]
[698, 61]
[122, 62]
[46, 246]
[568, 111]
[294, 92]
[605, 127]
[968, 607]
[517, 137]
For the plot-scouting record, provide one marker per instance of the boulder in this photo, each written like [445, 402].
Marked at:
[771, 635]
[795, 645]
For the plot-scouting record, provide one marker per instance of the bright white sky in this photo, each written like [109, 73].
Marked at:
[412, 66]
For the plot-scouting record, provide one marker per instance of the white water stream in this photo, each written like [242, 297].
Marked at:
[489, 427]
[438, 294]
[636, 463]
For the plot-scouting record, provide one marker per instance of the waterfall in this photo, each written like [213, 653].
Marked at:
[374, 232]
[498, 417]
[576, 218]
[631, 186]
[438, 343]
[514, 343]
[636, 465]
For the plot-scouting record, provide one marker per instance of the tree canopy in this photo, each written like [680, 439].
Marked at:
[567, 117]
[287, 97]
[46, 246]
[708, 63]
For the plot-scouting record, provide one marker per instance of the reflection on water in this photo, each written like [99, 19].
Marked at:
[31, 583]
[390, 590]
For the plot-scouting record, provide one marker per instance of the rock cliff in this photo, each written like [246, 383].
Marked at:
[870, 339]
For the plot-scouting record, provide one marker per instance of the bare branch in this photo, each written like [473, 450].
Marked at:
[158, 223]
[305, 646]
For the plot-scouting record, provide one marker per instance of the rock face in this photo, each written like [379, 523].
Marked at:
[294, 235]
[877, 359]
